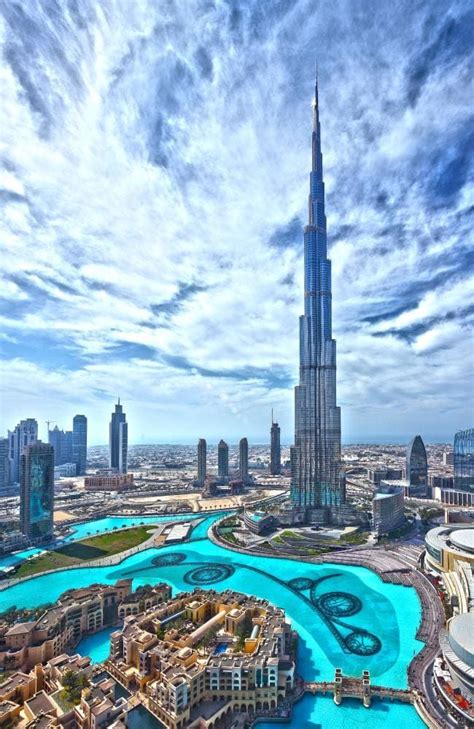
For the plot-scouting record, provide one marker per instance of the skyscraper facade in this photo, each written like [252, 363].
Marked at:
[202, 461]
[222, 460]
[464, 460]
[37, 492]
[118, 440]
[317, 479]
[4, 465]
[275, 449]
[79, 443]
[25, 433]
[417, 467]
[244, 459]
[62, 442]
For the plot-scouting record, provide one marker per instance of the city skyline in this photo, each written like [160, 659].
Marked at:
[192, 316]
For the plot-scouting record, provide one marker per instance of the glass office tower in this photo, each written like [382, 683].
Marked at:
[417, 467]
[79, 439]
[222, 460]
[118, 440]
[37, 492]
[202, 461]
[317, 477]
[244, 459]
[25, 433]
[464, 460]
[275, 449]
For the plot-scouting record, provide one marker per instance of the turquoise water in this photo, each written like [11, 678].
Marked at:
[345, 616]
[99, 526]
[8, 560]
[96, 646]
[321, 712]
[140, 718]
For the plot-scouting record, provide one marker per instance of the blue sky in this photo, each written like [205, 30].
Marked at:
[154, 161]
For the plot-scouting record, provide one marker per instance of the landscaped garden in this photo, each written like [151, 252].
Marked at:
[98, 547]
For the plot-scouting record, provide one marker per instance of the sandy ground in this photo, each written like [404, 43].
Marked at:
[60, 516]
[200, 504]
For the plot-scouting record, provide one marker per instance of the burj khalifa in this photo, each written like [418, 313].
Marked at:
[317, 479]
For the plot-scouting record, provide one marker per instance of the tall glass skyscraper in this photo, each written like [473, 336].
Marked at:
[222, 460]
[317, 477]
[25, 433]
[62, 442]
[417, 467]
[202, 461]
[79, 431]
[275, 449]
[464, 460]
[118, 440]
[37, 491]
[244, 459]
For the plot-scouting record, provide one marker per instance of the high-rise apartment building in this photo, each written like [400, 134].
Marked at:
[37, 492]
[4, 465]
[62, 442]
[118, 440]
[222, 460]
[417, 467]
[25, 433]
[79, 443]
[388, 509]
[275, 449]
[244, 459]
[317, 479]
[201, 461]
[464, 460]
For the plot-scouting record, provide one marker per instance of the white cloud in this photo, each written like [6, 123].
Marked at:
[165, 148]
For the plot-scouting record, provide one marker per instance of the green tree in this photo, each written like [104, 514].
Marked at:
[73, 682]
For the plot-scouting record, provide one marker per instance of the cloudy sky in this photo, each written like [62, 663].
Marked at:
[154, 160]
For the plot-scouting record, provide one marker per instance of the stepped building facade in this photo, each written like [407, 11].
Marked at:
[317, 478]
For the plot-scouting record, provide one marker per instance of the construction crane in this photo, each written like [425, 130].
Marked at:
[48, 423]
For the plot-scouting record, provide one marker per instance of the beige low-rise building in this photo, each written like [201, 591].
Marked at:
[205, 654]
[77, 612]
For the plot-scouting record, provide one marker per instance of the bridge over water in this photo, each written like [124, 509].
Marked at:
[359, 688]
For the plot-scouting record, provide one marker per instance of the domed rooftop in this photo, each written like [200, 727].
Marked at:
[463, 539]
[461, 637]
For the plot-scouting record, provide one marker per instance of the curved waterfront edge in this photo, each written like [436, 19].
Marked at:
[212, 520]
[432, 613]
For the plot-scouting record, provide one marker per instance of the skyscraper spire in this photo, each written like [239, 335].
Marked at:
[317, 480]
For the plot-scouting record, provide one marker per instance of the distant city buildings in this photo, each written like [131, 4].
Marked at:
[62, 443]
[275, 449]
[222, 460]
[118, 440]
[417, 467]
[448, 458]
[461, 491]
[109, 482]
[25, 433]
[464, 460]
[37, 492]
[4, 466]
[388, 509]
[383, 474]
[79, 432]
[65, 470]
[244, 459]
[201, 461]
